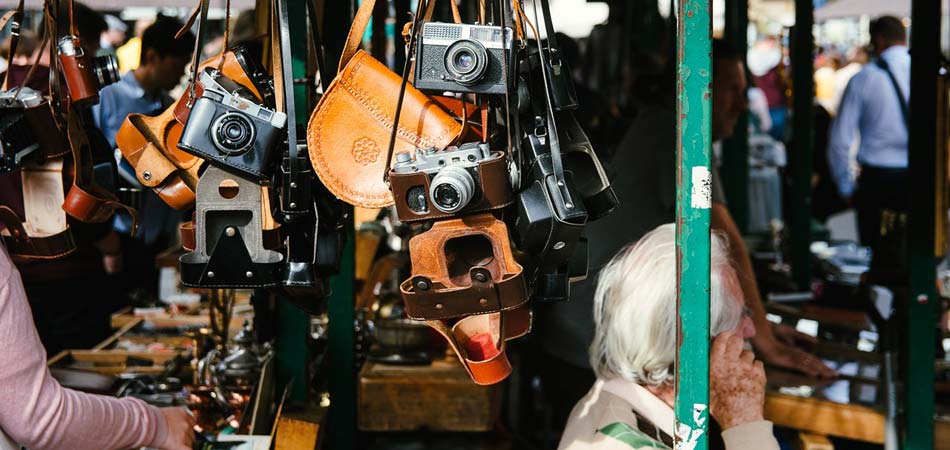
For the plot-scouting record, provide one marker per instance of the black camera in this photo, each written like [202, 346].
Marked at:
[592, 181]
[231, 130]
[28, 130]
[463, 58]
[437, 184]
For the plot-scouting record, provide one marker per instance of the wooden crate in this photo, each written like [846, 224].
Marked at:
[439, 397]
[105, 359]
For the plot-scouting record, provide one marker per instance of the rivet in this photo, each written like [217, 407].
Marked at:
[293, 185]
[210, 274]
[559, 245]
[146, 175]
[569, 205]
[230, 231]
[560, 184]
[293, 205]
[422, 285]
[922, 299]
[249, 274]
[438, 306]
[483, 301]
[480, 277]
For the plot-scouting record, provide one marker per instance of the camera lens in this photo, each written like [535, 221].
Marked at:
[232, 133]
[106, 70]
[466, 61]
[452, 189]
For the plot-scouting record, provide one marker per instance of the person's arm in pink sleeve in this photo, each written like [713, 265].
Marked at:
[37, 412]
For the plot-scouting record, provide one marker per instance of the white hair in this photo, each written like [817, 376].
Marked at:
[635, 307]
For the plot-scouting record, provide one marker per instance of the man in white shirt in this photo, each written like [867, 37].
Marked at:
[874, 109]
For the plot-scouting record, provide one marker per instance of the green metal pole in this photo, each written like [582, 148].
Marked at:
[693, 201]
[803, 123]
[922, 155]
[341, 429]
[735, 149]
[292, 354]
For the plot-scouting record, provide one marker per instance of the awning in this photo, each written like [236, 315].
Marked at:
[118, 5]
[842, 9]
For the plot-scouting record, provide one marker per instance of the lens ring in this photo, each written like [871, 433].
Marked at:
[466, 61]
[457, 184]
[232, 133]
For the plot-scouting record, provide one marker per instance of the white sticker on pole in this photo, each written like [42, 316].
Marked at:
[701, 192]
[688, 436]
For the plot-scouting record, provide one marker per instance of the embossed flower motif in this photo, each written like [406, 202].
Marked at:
[365, 151]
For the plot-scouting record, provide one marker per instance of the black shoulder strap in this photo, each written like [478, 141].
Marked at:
[897, 88]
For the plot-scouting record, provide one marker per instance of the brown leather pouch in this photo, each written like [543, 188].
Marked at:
[150, 143]
[349, 131]
[479, 341]
[461, 267]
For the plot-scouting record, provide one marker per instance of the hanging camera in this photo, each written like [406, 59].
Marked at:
[85, 75]
[28, 131]
[463, 58]
[231, 130]
[437, 184]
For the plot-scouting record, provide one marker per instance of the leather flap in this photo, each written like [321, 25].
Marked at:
[349, 131]
[153, 167]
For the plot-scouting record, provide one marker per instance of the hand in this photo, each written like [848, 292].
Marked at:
[790, 357]
[790, 336]
[736, 382]
[181, 429]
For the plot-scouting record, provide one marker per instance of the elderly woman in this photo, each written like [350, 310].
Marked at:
[634, 348]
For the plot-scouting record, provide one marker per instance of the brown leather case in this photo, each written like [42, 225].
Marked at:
[150, 144]
[493, 182]
[500, 326]
[349, 132]
[461, 267]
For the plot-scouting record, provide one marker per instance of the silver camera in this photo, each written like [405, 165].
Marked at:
[453, 174]
[463, 58]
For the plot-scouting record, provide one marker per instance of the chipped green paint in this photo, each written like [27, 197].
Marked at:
[629, 435]
[693, 92]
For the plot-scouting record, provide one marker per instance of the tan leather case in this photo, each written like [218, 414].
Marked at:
[349, 132]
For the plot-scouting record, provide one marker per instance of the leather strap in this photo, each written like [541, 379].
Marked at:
[202, 16]
[86, 200]
[21, 245]
[480, 341]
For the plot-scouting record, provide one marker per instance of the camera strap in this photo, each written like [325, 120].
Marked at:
[553, 141]
[15, 19]
[201, 14]
[318, 44]
[427, 6]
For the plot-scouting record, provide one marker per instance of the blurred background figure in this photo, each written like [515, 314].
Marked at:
[130, 54]
[857, 58]
[768, 73]
[826, 69]
[113, 37]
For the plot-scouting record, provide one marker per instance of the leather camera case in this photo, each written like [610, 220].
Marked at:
[229, 243]
[591, 180]
[493, 185]
[150, 143]
[461, 267]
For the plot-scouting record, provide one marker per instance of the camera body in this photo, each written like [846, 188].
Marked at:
[28, 130]
[458, 180]
[85, 75]
[231, 130]
[463, 58]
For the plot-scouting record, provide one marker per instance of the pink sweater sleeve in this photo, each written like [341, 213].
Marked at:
[36, 412]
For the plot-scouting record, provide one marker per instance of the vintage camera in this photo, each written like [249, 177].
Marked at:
[28, 130]
[85, 75]
[463, 58]
[458, 180]
[231, 130]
